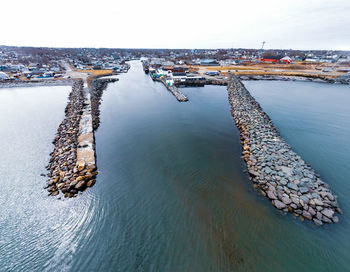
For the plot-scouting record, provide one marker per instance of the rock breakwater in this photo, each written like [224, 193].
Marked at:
[175, 91]
[72, 167]
[282, 175]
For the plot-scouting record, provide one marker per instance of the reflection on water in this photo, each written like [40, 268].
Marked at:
[171, 194]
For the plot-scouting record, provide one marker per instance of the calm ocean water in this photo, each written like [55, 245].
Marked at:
[171, 194]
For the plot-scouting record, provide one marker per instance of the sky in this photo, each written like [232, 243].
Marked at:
[285, 24]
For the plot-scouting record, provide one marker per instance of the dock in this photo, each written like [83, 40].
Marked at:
[175, 91]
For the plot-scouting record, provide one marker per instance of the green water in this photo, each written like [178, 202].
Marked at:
[172, 194]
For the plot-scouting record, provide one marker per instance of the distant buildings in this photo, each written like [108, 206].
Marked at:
[30, 62]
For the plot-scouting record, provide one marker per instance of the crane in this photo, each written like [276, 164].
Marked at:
[260, 54]
[262, 47]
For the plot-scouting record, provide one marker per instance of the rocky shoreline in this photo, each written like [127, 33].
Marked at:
[72, 167]
[339, 80]
[97, 86]
[281, 175]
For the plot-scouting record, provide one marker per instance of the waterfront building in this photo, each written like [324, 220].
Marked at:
[209, 62]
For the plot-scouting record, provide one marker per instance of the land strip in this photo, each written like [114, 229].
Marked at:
[35, 83]
[72, 167]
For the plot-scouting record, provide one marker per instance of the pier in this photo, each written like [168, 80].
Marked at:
[175, 91]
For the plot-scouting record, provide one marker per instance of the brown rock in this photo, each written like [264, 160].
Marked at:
[91, 183]
[55, 193]
[80, 178]
[81, 165]
[81, 185]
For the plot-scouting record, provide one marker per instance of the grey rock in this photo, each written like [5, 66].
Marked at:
[326, 219]
[295, 200]
[307, 215]
[271, 195]
[304, 190]
[328, 212]
[287, 170]
[312, 211]
[318, 202]
[268, 170]
[292, 186]
[319, 208]
[330, 197]
[279, 205]
[305, 180]
[283, 181]
[319, 215]
[314, 195]
[253, 173]
[305, 199]
[286, 200]
[318, 222]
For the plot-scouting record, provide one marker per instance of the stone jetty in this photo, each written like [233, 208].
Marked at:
[175, 91]
[72, 166]
[280, 174]
[97, 86]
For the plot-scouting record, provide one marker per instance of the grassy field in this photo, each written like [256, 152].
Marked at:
[96, 72]
[284, 73]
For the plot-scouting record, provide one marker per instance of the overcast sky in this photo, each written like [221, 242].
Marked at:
[296, 24]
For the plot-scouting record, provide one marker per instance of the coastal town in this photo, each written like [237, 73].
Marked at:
[28, 64]
[175, 136]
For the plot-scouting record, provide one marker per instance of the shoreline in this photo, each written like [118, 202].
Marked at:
[20, 84]
[281, 175]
